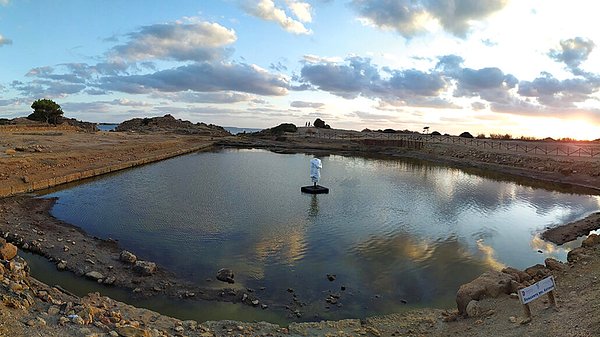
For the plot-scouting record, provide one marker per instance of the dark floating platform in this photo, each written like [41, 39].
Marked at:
[314, 189]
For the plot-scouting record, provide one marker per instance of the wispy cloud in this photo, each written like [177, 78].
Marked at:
[266, 10]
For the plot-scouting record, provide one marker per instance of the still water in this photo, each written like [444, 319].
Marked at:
[392, 231]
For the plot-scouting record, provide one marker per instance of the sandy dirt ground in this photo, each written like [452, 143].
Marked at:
[27, 156]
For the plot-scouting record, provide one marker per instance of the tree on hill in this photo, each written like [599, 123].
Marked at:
[321, 124]
[46, 110]
[466, 135]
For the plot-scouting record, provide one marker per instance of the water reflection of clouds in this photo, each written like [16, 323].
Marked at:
[489, 257]
[405, 266]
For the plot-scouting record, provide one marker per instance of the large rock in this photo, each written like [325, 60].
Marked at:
[554, 264]
[127, 257]
[145, 268]
[591, 241]
[7, 250]
[225, 275]
[519, 276]
[488, 284]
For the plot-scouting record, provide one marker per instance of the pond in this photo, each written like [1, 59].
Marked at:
[396, 234]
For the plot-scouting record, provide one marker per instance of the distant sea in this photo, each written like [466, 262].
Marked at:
[107, 127]
[234, 130]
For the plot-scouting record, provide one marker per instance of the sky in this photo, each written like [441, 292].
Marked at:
[518, 67]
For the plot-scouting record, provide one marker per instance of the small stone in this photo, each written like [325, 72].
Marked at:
[53, 310]
[240, 328]
[331, 277]
[255, 302]
[61, 265]
[244, 297]
[225, 275]
[264, 306]
[145, 268]
[110, 280]
[26, 179]
[94, 275]
[178, 328]
[90, 261]
[127, 257]
[113, 333]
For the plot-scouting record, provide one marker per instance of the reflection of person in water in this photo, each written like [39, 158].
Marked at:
[315, 170]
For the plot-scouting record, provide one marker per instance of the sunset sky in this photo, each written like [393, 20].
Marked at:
[523, 67]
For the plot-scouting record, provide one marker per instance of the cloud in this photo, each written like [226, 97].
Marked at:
[358, 77]
[301, 10]
[301, 104]
[202, 41]
[4, 41]
[128, 102]
[224, 97]
[552, 92]
[308, 58]
[478, 106]
[202, 77]
[410, 17]
[489, 83]
[47, 88]
[266, 10]
[4, 2]
[573, 52]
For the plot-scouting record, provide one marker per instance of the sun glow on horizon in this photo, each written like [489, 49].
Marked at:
[578, 129]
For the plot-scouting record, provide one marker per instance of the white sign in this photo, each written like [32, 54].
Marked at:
[536, 290]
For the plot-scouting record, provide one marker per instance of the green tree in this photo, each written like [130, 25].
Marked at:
[46, 110]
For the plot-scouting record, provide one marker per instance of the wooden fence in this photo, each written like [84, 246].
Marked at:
[515, 146]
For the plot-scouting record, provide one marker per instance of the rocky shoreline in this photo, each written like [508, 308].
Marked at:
[26, 222]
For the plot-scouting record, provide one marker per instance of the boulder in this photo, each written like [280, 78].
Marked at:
[7, 250]
[225, 275]
[474, 309]
[576, 254]
[488, 284]
[145, 268]
[591, 241]
[127, 257]
[555, 265]
[519, 276]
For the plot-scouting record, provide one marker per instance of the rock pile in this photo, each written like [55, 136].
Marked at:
[168, 123]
